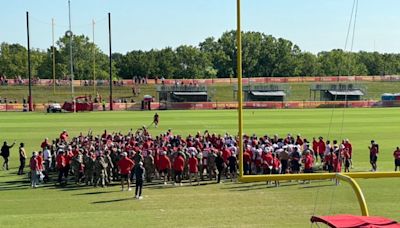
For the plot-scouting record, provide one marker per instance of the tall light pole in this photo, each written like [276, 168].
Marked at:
[70, 34]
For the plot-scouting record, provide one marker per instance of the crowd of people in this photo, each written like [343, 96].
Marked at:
[100, 160]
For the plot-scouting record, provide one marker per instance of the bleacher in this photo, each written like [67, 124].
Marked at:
[182, 93]
[338, 92]
[264, 92]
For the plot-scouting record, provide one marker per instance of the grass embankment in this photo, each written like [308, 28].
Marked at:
[298, 92]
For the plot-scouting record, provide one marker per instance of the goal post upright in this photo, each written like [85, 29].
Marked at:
[240, 89]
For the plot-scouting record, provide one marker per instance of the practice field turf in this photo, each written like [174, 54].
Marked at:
[228, 204]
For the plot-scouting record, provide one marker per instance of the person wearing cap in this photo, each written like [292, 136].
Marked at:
[22, 159]
[125, 166]
[165, 166]
[373, 155]
[396, 155]
[34, 165]
[139, 174]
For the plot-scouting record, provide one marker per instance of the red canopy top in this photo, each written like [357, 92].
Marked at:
[350, 221]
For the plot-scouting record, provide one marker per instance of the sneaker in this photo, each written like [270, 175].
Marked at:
[165, 183]
[129, 189]
[136, 197]
[140, 197]
[180, 184]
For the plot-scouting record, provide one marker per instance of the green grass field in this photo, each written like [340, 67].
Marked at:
[298, 92]
[227, 204]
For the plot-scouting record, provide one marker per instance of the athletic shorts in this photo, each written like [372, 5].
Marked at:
[164, 171]
[124, 176]
[397, 162]
[347, 163]
[373, 158]
[308, 170]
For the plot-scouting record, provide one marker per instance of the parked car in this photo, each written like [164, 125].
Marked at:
[53, 107]
[83, 103]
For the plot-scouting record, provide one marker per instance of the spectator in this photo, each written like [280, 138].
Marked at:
[139, 174]
[5, 153]
[34, 165]
[22, 159]
[396, 155]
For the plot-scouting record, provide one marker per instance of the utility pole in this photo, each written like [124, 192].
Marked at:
[54, 56]
[94, 60]
[111, 81]
[69, 32]
[29, 64]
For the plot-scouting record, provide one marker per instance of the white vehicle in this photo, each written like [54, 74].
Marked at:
[53, 107]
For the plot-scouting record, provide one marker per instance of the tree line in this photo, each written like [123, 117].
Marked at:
[263, 56]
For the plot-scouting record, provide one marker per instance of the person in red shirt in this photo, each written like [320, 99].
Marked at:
[40, 161]
[62, 167]
[193, 168]
[125, 166]
[308, 162]
[267, 162]
[396, 155]
[45, 143]
[64, 136]
[349, 147]
[276, 167]
[321, 149]
[373, 155]
[246, 162]
[315, 148]
[34, 170]
[346, 158]
[165, 166]
[179, 164]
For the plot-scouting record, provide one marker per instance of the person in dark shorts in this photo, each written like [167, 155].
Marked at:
[22, 159]
[373, 155]
[396, 155]
[156, 119]
[139, 174]
[125, 166]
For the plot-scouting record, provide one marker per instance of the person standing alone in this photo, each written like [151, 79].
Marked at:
[139, 174]
[396, 155]
[5, 153]
[373, 155]
[22, 159]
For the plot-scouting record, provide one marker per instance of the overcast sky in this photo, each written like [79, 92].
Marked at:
[314, 25]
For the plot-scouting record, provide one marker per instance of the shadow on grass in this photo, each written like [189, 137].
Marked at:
[112, 201]
[262, 185]
[94, 193]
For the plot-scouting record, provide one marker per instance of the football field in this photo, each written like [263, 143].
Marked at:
[217, 205]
